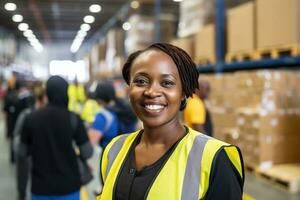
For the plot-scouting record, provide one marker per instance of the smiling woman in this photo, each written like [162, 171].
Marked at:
[167, 160]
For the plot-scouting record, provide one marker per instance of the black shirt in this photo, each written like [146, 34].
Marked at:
[49, 135]
[225, 181]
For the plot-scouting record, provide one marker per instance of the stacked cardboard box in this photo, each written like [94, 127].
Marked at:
[277, 23]
[142, 32]
[186, 44]
[114, 49]
[241, 40]
[205, 45]
[266, 110]
[194, 14]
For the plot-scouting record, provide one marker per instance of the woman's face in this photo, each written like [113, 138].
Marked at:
[155, 89]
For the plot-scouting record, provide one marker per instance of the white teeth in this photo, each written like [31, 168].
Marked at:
[154, 107]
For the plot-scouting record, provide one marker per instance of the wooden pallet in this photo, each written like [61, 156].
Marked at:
[239, 57]
[276, 52]
[285, 176]
[205, 60]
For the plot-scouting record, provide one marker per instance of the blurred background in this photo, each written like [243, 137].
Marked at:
[248, 51]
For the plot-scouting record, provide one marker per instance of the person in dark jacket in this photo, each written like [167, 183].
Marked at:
[47, 136]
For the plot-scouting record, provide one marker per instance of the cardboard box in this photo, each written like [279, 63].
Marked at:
[223, 119]
[205, 46]
[241, 28]
[194, 14]
[102, 50]
[186, 44]
[278, 23]
[143, 31]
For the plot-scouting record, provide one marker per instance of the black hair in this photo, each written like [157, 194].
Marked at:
[186, 67]
[105, 91]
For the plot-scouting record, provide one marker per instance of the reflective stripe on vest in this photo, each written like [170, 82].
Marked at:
[192, 177]
[113, 152]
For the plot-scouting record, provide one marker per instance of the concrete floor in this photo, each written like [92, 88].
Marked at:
[254, 187]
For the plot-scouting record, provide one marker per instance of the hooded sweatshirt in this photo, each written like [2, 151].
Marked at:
[48, 136]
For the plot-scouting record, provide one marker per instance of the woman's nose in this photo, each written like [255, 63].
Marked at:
[152, 91]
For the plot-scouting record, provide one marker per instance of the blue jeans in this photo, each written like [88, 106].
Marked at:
[72, 196]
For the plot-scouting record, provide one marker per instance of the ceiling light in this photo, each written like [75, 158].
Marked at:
[177, 0]
[31, 37]
[33, 41]
[126, 26]
[135, 4]
[23, 27]
[17, 18]
[89, 19]
[10, 6]
[28, 33]
[81, 34]
[95, 8]
[85, 27]
[38, 47]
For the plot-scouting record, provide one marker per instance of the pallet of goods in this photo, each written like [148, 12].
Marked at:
[241, 41]
[260, 112]
[205, 45]
[278, 28]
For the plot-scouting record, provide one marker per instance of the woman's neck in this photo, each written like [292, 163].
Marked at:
[165, 135]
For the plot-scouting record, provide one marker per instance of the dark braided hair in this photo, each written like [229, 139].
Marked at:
[186, 67]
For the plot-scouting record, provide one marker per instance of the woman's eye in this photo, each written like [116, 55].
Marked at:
[167, 83]
[140, 81]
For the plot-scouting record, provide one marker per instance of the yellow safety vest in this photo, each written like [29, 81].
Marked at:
[185, 176]
[90, 110]
[76, 98]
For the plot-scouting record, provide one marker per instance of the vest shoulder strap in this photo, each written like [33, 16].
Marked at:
[112, 150]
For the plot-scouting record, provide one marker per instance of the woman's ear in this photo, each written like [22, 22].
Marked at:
[183, 103]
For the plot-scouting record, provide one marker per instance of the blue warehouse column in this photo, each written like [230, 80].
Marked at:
[220, 35]
[157, 20]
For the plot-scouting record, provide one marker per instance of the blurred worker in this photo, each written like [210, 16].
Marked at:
[47, 136]
[76, 96]
[90, 106]
[196, 114]
[9, 106]
[23, 164]
[115, 117]
[2, 91]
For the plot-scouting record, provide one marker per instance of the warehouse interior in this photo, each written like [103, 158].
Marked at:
[247, 50]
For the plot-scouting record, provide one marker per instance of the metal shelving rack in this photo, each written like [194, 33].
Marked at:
[221, 66]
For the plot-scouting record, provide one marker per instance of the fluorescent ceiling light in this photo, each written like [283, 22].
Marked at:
[81, 34]
[85, 27]
[135, 4]
[126, 26]
[95, 8]
[177, 0]
[23, 27]
[28, 33]
[31, 37]
[39, 48]
[10, 6]
[17, 18]
[89, 19]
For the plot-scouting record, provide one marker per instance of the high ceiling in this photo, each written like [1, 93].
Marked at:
[59, 20]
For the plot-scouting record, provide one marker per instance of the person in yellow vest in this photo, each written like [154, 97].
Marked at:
[76, 97]
[166, 159]
[90, 107]
[196, 114]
